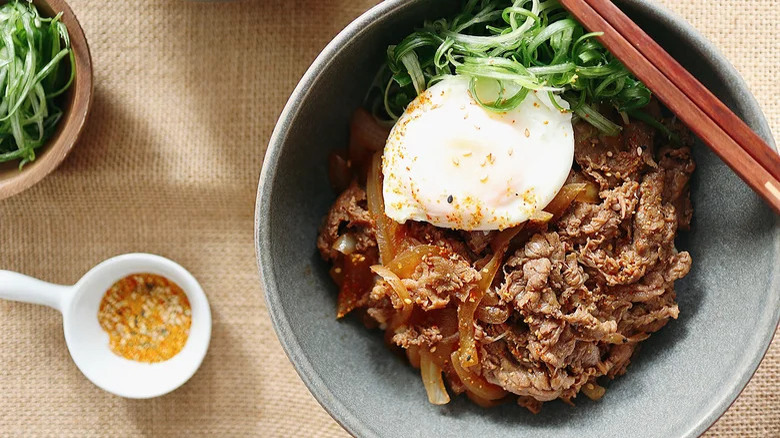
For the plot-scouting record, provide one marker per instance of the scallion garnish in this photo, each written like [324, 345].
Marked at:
[522, 45]
[32, 49]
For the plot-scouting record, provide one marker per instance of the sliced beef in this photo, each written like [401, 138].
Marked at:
[434, 282]
[599, 281]
[438, 279]
[499, 368]
[418, 336]
[624, 260]
[600, 222]
[678, 165]
[573, 298]
[478, 241]
[612, 160]
[424, 233]
[349, 214]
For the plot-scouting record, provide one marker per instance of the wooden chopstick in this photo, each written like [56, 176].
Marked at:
[665, 80]
[698, 93]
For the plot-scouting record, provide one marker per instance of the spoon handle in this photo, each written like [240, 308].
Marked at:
[18, 287]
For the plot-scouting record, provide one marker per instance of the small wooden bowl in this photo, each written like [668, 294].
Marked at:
[76, 103]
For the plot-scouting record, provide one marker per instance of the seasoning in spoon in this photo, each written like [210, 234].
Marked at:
[147, 318]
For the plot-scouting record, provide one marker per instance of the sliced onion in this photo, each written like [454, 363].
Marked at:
[386, 228]
[376, 204]
[443, 349]
[476, 383]
[490, 300]
[447, 321]
[491, 314]
[540, 217]
[405, 263]
[366, 137]
[502, 239]
[357, 281]
[431, 377]
[401, 292]
[615, 338]
[594, 391]
[590, 195]
[564, 198]
[366, 133]
[339, 172]
[413, 354]
[395, 282]
[345, 244]
[483, 402]
[468, 346]
[489, 272]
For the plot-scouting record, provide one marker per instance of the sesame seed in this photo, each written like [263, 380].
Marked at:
[146, 317]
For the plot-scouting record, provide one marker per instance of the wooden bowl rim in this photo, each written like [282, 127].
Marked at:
[75, 113]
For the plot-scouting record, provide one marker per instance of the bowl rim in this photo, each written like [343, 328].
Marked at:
[75, 115]
[292, 347]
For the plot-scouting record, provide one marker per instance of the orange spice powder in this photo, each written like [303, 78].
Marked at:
[147, 318]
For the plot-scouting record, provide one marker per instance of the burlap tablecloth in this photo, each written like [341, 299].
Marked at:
[186, 97]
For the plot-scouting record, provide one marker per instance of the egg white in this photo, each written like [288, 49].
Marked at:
[452, 163]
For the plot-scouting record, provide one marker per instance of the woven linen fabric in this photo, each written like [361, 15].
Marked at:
[186, 97]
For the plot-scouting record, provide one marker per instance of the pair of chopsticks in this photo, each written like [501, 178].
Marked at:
[725, 133]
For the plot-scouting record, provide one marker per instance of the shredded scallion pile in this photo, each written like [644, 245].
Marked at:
[522, 45]
[32, 75]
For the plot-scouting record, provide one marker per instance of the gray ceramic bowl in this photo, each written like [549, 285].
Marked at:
[682, 380]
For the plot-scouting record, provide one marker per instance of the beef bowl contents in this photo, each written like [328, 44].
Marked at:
[508, 204]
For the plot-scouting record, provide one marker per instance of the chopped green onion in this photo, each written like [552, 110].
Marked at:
[415, 72]
[32, 49]
[523, 45]
[651, 121]
[603, 124]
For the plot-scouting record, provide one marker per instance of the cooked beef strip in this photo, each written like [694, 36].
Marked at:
[418, 336]
[478, 241]
[611, 160]
[435, 281]
[573, 301]
[348, 214]
[678, 167]
[425, 233]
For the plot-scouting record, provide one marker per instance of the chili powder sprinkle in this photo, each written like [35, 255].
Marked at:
[147, 318]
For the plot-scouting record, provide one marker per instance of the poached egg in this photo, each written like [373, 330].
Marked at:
[450, 162]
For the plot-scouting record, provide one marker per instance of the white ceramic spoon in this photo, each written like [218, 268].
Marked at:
[88, 343]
